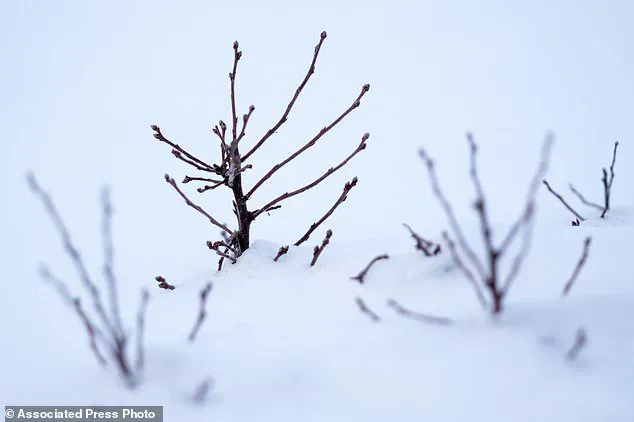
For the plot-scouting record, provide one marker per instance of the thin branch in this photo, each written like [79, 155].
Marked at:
[319, 249]
[245, 120]
[72, 251]
[607, 184]
[298, 91]
[179, 152]
[578, 267]
[140, 329]
[202, 313]
[465, 270]
[108, 266]
[344, 195]
[431, 319]
[581, 339]
[330, 171]
[558, 196]
[215, 246]
[282, 251]
[92, 331]
[361, 276]
[428, 247]
[215, 222]
[188, 179]
[211, 187]
[322, 132]
[584, 200]
[364, 309]
[232, 77]
[455, 227]
[201, 392]
[533, 188]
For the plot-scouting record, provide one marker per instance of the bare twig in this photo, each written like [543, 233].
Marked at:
[431, 319]
[322, 132]
[361, 276]
[282, 251]
[453, 222]
[364, 309]
[428, 247]
[140, 328]
[558, 196]
[180, 152]
[215, 222]
[215, 246]
[107, 332]
[298, 91]
[108, 266]
[465, 270]
[490, 279]
[73, 252]
[202, 313]
[202, 391]
[330, 171]
[318, 249]
[578, 267]
[581, 340]
[163, 284]
[607, 183]
[584, 200]
[344, 195]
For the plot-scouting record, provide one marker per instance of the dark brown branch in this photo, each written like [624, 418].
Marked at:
[282, 251]
[298, 91]
[428, 247]
[140, 329]
[344, 195]
[215, 246]
[220, 130]
[364, 309]
[163, 284]
[330, 171]
[202, 313]
[245, 120]
[578, 267]
[581, 339]
[322, 132]
[211, 187]
[232, 77]
[431, 319]
[361, 276]
[607, 183]
[180, 152]
[558, 196]
[584, 200]
[319, 249]
[215, 222]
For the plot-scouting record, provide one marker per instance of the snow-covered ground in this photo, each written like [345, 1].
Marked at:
[282, 341]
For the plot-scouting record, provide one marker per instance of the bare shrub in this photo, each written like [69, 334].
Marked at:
[109, 340]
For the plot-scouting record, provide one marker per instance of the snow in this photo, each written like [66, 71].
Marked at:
[285, 341]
